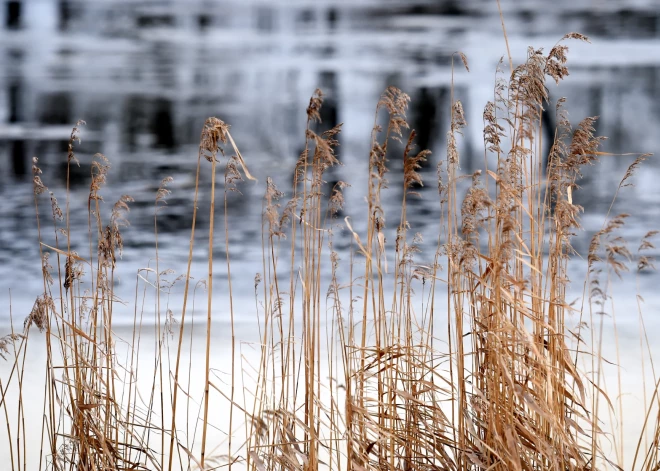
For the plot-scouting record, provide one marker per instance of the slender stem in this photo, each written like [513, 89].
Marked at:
[209, 315]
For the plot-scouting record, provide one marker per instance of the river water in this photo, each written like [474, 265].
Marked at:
[145, 76]
[145, 91]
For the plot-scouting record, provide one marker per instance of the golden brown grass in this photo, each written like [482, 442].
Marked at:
[463, 359]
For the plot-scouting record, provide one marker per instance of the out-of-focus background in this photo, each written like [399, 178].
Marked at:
[144, 75]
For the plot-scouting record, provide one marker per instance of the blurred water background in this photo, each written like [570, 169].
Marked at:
[144, 75]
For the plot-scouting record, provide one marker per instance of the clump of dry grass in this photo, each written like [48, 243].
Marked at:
[356, 369]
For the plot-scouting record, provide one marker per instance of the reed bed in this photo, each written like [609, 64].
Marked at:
[467, 358]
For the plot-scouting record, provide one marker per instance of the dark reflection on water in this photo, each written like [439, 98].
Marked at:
[145, 75]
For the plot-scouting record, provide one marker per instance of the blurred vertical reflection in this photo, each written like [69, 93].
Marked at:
[13, 14]
[19, 165]
[14, 105]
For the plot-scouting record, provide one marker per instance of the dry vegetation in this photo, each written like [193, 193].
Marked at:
[465, 362]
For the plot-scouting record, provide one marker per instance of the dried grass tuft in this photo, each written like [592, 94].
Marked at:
[391, 359]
